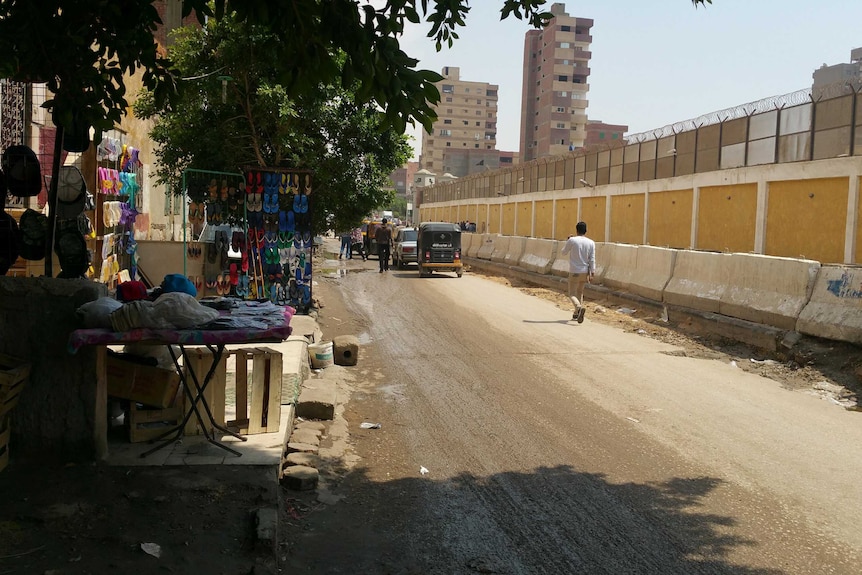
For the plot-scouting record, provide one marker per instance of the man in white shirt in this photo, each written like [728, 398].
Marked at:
[582, 266]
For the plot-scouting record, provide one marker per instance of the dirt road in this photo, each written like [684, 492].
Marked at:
[514, 440]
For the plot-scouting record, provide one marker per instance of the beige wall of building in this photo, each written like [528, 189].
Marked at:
[466, 120]
[554, 89]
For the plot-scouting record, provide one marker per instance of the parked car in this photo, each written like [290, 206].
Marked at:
[404, 250]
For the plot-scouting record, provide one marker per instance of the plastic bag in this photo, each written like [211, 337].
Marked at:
[94, 314]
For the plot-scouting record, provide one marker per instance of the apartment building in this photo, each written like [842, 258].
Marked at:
[554, 91]
[827, 77]
[466, 124]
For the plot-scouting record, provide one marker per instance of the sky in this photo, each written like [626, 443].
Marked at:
[657, 62]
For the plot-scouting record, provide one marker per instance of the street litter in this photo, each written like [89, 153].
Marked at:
[763, 362]
[369, 425]
[626, 310]
[733, 364]
[152, 549]
[664, 317]
[633, 419]
[641, 331]
[422, 470]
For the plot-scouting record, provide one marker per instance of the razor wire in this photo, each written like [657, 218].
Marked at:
[803, 96]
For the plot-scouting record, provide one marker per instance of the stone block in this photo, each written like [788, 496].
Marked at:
[293, 447]
[305, 436]
[345, 349]
[266, 527]
[300, 478]
[317, 402]
[302, 458]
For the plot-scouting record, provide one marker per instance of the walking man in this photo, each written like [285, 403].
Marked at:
[582, 266]
[383, 235]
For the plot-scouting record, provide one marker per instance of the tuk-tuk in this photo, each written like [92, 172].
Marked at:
[438, 248]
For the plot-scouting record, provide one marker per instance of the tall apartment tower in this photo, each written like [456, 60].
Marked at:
[554, 92]
[466, 123]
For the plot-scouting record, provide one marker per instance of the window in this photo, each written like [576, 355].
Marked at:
[601, 135]
[564, 94]
[561, 125]
[465, 122]
[448, 89]
[478, 112]
[448, 98]
[464, 144]
[491, 93]
[614, 136]
[479, 102]
[445, 132]
[475, 145]
[478, 123]
[566, 62]
[565, 28]
[561, 110]
[447, 121]
[563, 142]
[564, 45]
[448, 144]
[577, 96]
[466, 90]
[578, 81]
[448, 110]
[563, 78]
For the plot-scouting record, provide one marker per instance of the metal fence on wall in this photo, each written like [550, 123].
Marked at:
[794, 127]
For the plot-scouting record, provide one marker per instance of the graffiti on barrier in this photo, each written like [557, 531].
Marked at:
[842, 287]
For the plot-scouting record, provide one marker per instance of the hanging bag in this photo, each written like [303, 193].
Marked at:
[23, 172]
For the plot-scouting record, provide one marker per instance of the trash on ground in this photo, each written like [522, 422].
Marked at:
[641, 331]
[369, 425]
[733, 364]
[664, 317]
[626, 310]
[764, 361]
[600, 309]
[422, 470]
[152, 549]
[633, 419]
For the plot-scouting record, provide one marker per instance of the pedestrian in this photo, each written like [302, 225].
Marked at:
[356, 241]
[383, 235]
[582, 266]
[345, 245]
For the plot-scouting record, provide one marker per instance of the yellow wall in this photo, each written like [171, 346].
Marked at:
[726, 218]
[593, 212]
[567, 217]
[508, 220]
[627, 219]
[494, 219]
[669, 219]
[525, 219]
[481, 218]
[544, 219]
[807, 219]
[858, 258]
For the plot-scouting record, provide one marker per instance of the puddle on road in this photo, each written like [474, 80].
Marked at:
[336, 273]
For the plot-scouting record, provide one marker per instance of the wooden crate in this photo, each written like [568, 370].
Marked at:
[200, 360]
[146, 424]
[263, 413]
[13, 377]
[5, 433]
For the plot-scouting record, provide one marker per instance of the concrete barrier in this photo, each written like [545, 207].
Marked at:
[560, 267]
[539, 255]
[604, 251]
[466, 240]
[698, 280]
[517, 244]
[501, 248]
[833, 312]
[487, 248]
[767, 290]
[475, 244]
[621, 269]
[654, 268]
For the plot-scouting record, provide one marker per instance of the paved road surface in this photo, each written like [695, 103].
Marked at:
[554, 447]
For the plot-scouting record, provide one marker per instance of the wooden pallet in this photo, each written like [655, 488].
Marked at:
[5, 433]
[146, 424]
[13, 376]
[263, 413]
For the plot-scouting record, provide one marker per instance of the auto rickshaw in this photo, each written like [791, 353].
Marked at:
[438, 248]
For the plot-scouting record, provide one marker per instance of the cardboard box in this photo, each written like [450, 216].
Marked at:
[142, 383]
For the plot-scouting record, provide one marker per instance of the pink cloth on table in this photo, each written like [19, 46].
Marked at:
[100, 336]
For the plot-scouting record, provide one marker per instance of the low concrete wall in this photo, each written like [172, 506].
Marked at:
[487, 248]
[476, 243]
[767, 290]
[539, 255]
[466, 240]
[621, 269]
[604, 253]
[515, 251]
[157, 259]
[560, 267]
[654, 270]
[698, 280]
[501, 248]
[835, 308]
[56, 413]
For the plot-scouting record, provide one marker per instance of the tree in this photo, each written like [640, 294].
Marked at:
[242, 116]
[83, 49]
